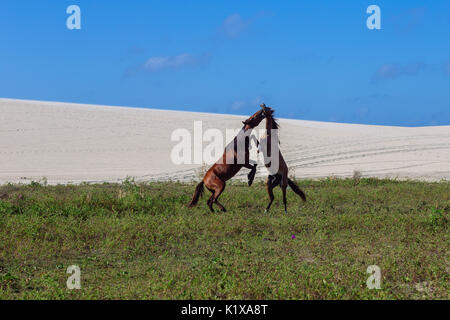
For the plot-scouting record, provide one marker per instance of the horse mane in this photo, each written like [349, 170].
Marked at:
[273, 120]
[275, 124]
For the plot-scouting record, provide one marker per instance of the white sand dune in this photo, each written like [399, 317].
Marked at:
[72, 143]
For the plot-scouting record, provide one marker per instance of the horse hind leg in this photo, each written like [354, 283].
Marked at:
[210, 203]
[271, 197]
[220, 206]
[217, 194]
[269, 186]
[283, 185]
[283, 188]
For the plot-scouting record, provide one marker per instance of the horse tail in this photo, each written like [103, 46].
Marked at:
[197, 194]
[296, 189]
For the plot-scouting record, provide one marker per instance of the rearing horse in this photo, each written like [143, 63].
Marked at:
[229, 164]
[278, 170]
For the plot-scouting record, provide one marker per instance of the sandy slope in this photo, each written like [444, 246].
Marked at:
[73, 143]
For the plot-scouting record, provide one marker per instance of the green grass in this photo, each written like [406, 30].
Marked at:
[136, 241]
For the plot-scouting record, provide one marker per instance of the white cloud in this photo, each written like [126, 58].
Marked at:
[447, 68]
[241, 104]
[409, 20]
[391, 71]
[173, 62]
[234, 25]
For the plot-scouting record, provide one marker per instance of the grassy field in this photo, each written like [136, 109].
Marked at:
[140, 241]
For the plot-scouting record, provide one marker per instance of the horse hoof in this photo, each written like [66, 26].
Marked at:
[285, 212]
[266, 211]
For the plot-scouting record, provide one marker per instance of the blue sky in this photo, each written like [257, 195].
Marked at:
[313, 60]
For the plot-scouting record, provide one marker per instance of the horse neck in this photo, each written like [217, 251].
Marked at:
[268, 125]
[243, 132]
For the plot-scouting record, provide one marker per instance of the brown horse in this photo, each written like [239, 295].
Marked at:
[229, 164]
[278, 170]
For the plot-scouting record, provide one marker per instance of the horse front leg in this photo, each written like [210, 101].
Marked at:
[251, 174]
[250, 164]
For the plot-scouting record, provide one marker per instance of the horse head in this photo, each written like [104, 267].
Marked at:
[254, 120]
[267, 110]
